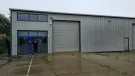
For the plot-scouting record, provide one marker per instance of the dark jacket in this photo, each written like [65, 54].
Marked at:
[35, 44]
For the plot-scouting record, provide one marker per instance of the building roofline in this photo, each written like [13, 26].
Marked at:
[64, 13]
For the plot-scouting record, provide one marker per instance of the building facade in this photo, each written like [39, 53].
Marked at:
[64, 32]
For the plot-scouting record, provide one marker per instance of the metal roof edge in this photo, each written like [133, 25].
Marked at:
[65, 13]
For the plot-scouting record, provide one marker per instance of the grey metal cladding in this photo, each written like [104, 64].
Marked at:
[97, 33]
[24, 25]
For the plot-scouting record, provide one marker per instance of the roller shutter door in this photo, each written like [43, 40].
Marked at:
[65, 36]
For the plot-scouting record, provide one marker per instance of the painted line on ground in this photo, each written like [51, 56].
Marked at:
[28, 71]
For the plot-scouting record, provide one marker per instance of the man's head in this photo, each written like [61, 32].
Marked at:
[35, 41]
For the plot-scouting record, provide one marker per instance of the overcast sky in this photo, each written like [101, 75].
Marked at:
[99, 7]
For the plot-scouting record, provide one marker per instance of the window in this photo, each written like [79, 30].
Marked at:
[42, 34]
[33, 17]
[32, 33]
[22, 33]
[22, 17]
[42, 18]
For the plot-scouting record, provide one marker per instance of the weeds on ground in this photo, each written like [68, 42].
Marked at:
[45, 58]
[3, 50]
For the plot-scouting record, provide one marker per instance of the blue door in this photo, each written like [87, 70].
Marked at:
[24, 45]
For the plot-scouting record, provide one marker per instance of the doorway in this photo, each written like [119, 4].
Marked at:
[126, 43]
[24, 45]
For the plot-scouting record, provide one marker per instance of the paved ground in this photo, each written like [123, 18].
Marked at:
[4, 60]
[72, 64]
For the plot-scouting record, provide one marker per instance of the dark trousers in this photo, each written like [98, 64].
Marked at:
[35, 50]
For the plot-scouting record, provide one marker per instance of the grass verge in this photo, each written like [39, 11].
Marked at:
[3, 50]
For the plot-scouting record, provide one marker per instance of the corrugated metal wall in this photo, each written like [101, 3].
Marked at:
[101, 33]
[97, 33]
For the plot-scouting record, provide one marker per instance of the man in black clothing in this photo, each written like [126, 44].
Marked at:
[35, 46]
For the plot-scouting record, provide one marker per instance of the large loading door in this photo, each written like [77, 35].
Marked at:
[65, 36]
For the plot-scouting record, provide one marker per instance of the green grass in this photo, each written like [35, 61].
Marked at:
[45, 58]
[3, 50]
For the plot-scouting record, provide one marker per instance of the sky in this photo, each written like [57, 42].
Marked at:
[98, 7]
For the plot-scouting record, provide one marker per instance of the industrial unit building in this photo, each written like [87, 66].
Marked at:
[65, 32]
